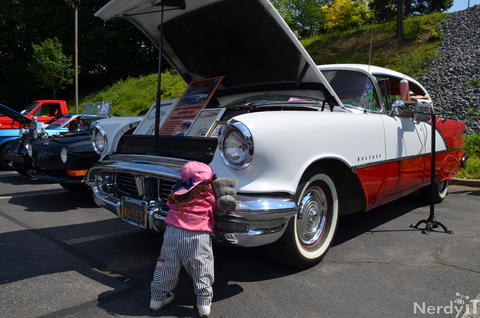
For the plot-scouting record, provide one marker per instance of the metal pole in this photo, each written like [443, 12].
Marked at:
[76, 59]
[468, 5]
[159, 85]
[432, 166]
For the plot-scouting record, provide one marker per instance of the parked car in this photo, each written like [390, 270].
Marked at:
[41, 110]
[306, 144]
[65, 159]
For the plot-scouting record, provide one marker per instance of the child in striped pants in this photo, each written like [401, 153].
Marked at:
[187, 240]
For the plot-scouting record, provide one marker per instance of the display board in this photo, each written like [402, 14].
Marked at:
[204, 121]
[100, 109]
[195, 98]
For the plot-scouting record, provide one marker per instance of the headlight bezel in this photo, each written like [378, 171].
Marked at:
[98, 129]
[236, 126]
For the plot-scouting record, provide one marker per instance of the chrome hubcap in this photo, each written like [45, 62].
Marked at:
[312, 216]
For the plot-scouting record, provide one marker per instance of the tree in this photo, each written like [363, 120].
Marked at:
[304, 16]
[346, 14]
[386, 10]
[50, 67]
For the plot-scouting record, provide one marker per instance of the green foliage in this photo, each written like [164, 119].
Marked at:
[471, 169]
[472, 145]
[474, 82]
[346, 14]
[386, 10]
[472, 115]
[129, 97]
[108, 50]
[423, 34]
[49, 66]
[304, 16]
[472, 165]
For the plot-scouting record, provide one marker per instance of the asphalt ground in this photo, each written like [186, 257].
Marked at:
[61, 256]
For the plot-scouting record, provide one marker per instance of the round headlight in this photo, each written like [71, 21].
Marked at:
[64, 155]
[99, 139]
[29, 148]
[236, 145]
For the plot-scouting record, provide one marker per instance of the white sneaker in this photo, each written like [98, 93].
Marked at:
[159, 304]
[204, 311]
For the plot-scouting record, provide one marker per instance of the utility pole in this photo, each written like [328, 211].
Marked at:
[74, 4]
[76, 59]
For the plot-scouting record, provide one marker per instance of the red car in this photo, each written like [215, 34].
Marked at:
[42, 110]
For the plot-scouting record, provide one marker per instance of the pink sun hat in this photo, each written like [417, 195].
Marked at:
[191, 175]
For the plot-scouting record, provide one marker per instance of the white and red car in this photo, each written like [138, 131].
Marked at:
[306, 143]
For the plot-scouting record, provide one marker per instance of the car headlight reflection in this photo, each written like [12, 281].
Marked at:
[29, 148]
[64, 155]
[236, 145]
[99, 139]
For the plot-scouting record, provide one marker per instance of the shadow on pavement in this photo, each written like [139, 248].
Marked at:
[54, 200]
[15, 178]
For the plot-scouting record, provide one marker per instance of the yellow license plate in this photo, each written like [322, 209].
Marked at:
[134, 212]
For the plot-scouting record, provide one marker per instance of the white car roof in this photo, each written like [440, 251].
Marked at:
[372, 69]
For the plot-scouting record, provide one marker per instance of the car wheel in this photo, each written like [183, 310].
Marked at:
[441, 191]
[310, 233]
[75, 187]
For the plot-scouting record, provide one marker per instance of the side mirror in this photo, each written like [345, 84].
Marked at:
[423, 110]
[398, 107]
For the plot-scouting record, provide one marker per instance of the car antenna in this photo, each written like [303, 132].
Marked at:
[165, 5]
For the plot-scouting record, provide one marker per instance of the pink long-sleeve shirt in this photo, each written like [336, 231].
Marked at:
[195, 215]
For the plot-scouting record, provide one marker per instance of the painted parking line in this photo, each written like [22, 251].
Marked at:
[101, 236]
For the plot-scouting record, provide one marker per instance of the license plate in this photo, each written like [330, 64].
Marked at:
[134, 212]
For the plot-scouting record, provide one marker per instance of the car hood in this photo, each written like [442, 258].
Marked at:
[246, 41]
[7, 111]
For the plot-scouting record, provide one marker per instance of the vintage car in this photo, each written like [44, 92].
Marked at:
[66, 156]
[306, 143]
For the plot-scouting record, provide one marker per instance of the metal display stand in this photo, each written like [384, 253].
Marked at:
[431, 223]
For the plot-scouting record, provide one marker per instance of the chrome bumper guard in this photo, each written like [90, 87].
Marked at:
[259, 220]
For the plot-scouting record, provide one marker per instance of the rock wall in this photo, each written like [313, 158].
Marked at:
[457, 63]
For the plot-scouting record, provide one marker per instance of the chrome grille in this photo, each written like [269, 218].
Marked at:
[126, 185]
[164, 188]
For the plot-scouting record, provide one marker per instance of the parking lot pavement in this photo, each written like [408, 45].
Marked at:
[61, 256]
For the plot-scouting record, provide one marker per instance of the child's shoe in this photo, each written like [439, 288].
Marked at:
[204, 311]
[159, 304]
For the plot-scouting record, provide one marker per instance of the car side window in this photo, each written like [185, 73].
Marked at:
[355, 89]
[390, 88]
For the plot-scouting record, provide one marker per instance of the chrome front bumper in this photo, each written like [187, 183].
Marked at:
[259, 219]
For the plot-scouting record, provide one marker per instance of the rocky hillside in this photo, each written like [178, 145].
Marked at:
[453, 77]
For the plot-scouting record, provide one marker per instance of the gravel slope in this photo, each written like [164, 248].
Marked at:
[458, 62]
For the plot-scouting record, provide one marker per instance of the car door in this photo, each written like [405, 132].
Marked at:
[405, 145]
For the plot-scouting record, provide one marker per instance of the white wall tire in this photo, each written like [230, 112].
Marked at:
[441, 191]
[310, 233]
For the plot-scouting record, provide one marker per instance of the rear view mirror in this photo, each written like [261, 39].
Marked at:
[423, 110]
[398, 107]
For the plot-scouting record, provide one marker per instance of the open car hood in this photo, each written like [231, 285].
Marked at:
[7, 111]
[246, 41]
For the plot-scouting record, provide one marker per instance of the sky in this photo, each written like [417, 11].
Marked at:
[462, 4]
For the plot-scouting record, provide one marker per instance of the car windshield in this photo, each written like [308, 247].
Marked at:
[58, 122]
[355, 89]
[278, 99]
[30, 108]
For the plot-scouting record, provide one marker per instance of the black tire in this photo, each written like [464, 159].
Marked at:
[309, 234]
[441, 191]
[75, 187]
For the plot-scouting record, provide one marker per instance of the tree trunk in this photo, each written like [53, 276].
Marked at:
[400, 20]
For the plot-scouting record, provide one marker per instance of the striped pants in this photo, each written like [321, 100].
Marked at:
[191, 249]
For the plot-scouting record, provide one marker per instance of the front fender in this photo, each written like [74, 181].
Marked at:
[286, 143]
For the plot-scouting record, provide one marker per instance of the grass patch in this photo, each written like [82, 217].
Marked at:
[422, 35]
[129, 97]
[472, 165]
[474, 82]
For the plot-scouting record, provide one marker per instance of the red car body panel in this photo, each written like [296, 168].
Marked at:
[388, 181]
[55, 108]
